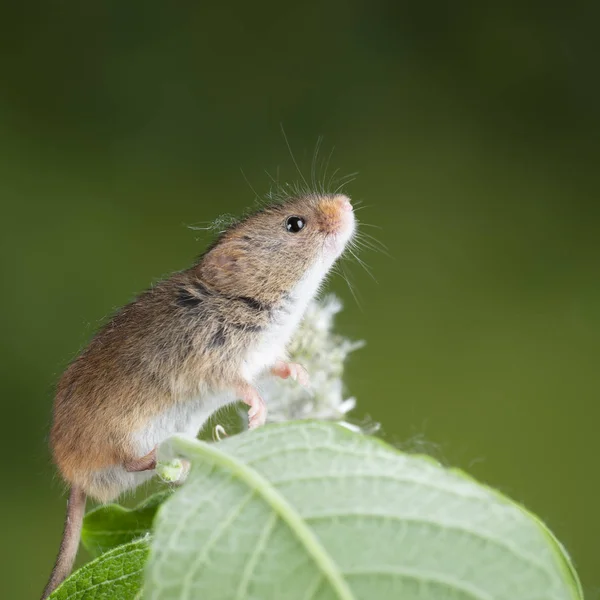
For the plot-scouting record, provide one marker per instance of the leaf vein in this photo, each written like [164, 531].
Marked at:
[253, 560]
[232, 515]
[385, 476]
[275, 500]
[107, 581]
[441, 525]
[468, 590]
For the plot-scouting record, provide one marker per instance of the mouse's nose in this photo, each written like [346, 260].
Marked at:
[344, 202]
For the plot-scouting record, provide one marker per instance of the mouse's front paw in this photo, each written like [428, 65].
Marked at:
[293, 371]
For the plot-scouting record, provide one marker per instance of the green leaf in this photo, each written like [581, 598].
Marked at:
[311, 511]
[112, 525]
[116, 575]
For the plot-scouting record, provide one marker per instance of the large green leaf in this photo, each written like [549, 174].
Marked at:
[116, 575]
[303, 511]
[112, 525]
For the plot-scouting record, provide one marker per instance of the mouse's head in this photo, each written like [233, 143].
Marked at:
[286, 248]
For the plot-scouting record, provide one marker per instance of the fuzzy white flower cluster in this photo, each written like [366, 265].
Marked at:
[323, 354]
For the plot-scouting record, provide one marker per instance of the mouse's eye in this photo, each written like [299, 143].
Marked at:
[294, 224]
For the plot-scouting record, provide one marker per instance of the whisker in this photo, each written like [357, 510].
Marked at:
[293, 157]
[369, 225]
[373, 240]
[256, 196]
[273, 180]
[345, 179]
[366, 245]
[332, 179]
[342, 271]
[324, 178]
[343, 185]
[313, 167]
[275, 189]
[362, 264]
[372, 248]
[353, 174]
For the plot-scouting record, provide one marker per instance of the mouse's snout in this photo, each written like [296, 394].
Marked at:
[345, 203]
[336, 214]
[336, 221]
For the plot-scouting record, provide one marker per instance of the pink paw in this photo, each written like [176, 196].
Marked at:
[293, 371]
[257, 415]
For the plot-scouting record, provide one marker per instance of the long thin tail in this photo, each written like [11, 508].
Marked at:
[70, 540]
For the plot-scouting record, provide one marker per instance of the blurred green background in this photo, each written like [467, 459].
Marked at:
[475, 128]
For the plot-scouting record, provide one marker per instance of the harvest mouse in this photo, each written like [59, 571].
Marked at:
[188, 345]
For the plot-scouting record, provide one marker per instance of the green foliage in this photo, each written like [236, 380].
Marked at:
[112, 525]
[314, 511]
[116, 575]
[311, 510]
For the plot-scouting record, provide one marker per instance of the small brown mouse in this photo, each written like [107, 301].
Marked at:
[188, 345]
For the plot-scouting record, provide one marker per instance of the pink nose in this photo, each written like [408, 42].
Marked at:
[345, 203]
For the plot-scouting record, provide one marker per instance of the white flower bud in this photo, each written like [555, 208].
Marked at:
[323, 354]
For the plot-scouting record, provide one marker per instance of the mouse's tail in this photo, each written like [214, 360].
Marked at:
[70, 540]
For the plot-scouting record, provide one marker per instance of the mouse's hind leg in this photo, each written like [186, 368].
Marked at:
[143, 463]
[174, 472]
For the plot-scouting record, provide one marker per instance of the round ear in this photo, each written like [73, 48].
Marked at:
[221, 259]
[222, 262]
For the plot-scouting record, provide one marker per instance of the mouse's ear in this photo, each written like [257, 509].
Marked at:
[222, 262]
[219, 258]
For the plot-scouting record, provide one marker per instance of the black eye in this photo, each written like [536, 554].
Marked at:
[294, 224]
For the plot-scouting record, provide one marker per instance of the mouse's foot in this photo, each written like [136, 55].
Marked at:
[294, 371]
[143, 463]
[257, 415]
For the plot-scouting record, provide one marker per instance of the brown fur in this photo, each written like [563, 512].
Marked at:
[193, 327]
[190, 333]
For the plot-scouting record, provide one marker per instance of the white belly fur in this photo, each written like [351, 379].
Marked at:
[185, 417]
[188, 417]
